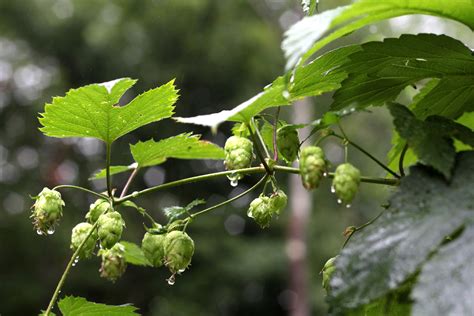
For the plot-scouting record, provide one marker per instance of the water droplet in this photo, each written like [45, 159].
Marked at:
[325, 174]
[348, 205]
[339, 201]
[181, 270]
[51, 231]
[75, 261]
[39, 232]
[285, 94]
[333, 189]
[135, 194]
[234, 182]
[171, 280]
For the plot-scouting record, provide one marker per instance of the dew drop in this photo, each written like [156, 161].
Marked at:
[325, 174]
[181, 270]
[339, 201]
[171, 280]
[234, 182]
[39, 232]
[333, 189]
[51, 231]
[348, 205]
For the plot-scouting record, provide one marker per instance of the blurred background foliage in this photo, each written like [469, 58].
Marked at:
[221, 53]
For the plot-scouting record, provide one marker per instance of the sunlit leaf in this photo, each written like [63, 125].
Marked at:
[78, 306]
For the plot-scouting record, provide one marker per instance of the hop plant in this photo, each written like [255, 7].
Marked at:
[113, 262]
[110, 229]
[238, 153]
[328, 271]
[312, 166]
[278, 201]
[99, 207]
[346, 182]
[288, 143]
[261, 211]
[179, 250]
[153, 248]
[79, 233]
[47, 211]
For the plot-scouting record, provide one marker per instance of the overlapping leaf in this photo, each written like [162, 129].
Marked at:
[423, 212]
[78, 306]
[306, 37]
[92, 111]
[133, 254]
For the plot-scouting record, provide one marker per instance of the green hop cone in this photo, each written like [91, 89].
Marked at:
[346, 182]
[179, 250]
[79, 233]
[238, 153]
[96, 209]
[110, 229]
[278, 201]
[328, 271]
[113, 262]
[153, 248]
[261, 211]
[47, 211]
[288, 143]
[312, 166]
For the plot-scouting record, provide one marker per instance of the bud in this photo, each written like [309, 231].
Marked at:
[346, 182]
[47, 211]
[260, 210]
[113, 262]
[96, 209]
[179, 249]
[312, 166]
[278, 201]
[328, 271]
[153, 248]
[288, 143]
[79, 233]
[110, 228]
[238, 153]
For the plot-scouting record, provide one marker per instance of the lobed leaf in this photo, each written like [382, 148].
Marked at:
[79, 306]
[133, 254]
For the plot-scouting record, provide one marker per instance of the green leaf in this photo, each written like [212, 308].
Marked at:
[78, 306]
[183, 146]
[303, 39]
[423, 211]
[174, 212]
[379, 72]
[133, 205]
[431, 139]
[445, 284]
[133, 254]
[92, 111]
[113, 170]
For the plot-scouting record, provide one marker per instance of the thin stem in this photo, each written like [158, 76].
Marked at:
[356, 229]
[259, 153]
[68, 268]
[346, 152]
[129, 181]
[381, 164]
[256, 185]
[68, 186]
[402, 158]
[107, 169]
[275, 127]
[260, 138]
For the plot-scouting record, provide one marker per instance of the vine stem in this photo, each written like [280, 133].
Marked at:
[260, 138]
[107, 169]
[66, 271]
[275, 126]
[402, 158]
[365, 152]
[256, 185]
[356, 229]
[129, 181]
[68, 186]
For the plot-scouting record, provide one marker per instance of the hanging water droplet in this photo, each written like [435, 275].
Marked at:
[51, 231]
[285, 94]
[234, 182]
[333, 189]
[348, 205]
[39, 232]
[339, 201]
[325, 174]
[171, 280]
[181, 270]
[74, 264]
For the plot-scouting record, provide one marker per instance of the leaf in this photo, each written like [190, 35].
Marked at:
[133, 254]
[183, 146]
[379, 72]
[431, 139]
[303, 39]
[78, 306]
[445, 284]
[174, 212]
[423, 211]
[113, 170]
[92, 111]
[132, 204]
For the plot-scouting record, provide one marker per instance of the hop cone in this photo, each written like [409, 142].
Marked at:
[47, 211]
[261, 211]
[312, 166]
[179, 250]
[288, 143]
[346, 182]
[96, 209]
[153, 248]
[110, 229]
[113, 262]
[238, 153]
[328, 271]
[79, 233]
[278, 201]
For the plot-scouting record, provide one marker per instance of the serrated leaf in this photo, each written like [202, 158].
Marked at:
[113, 170]
[379, 72]
[92, 111]
[133, 254]
[174, 212]
[78, 306]
[305, 38]
[422, 213]
[445, 284]
[183, 146]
